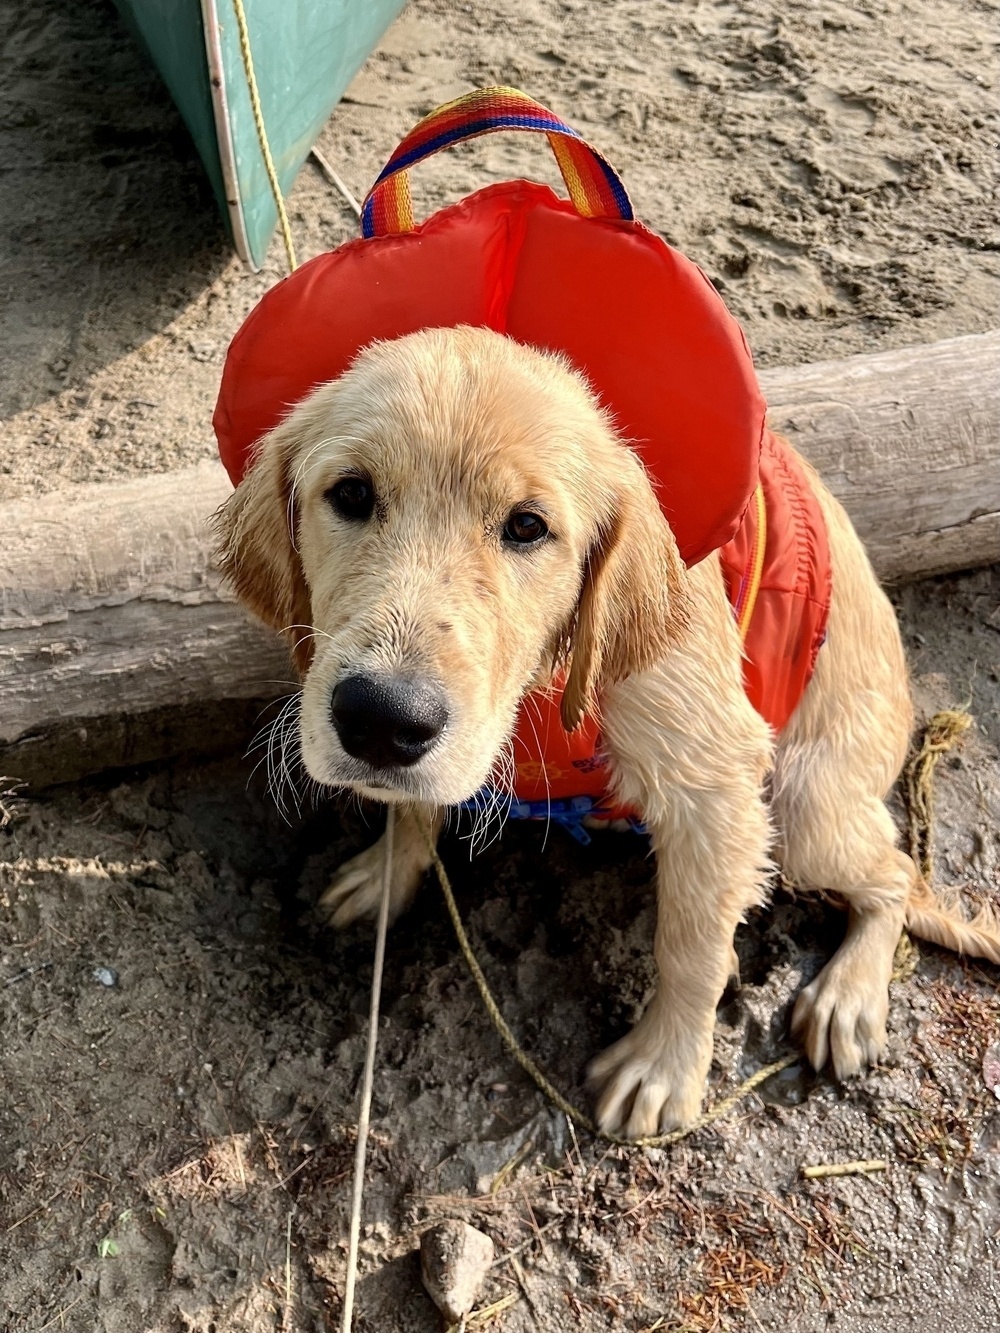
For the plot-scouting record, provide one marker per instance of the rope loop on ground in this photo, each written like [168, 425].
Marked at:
[541, 1081]
[941, 734]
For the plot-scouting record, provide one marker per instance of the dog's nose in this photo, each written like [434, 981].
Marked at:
[389, 722]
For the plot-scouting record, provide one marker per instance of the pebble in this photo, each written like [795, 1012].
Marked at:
[991, 1069]
[454, 1261]
[107, 976]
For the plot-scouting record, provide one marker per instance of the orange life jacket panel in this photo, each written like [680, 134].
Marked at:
[787, 623]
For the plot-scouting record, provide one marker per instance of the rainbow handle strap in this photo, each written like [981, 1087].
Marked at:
[593, 184]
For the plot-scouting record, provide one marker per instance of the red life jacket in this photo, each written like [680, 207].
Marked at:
[644, 325]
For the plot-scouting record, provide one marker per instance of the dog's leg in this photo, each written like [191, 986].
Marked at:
[836, 759]
[696, 774]
[842, 1014]
[356, 889]
[837, 836]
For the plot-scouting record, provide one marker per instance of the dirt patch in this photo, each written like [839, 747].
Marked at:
[173, 1139]
[182, 1039]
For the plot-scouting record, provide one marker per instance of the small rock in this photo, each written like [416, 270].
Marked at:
[454, 1261]
[991, 1069]
[106, 976]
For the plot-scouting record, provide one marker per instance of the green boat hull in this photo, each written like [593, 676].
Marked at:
[305, 53]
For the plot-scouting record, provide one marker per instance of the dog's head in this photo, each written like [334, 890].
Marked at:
[436, 533]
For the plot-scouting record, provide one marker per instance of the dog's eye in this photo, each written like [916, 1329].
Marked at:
[354, 497]
[524, 528]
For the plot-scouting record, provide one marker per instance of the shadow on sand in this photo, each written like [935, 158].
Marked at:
[107, 218]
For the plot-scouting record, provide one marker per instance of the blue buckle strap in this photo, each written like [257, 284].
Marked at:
[569, 813]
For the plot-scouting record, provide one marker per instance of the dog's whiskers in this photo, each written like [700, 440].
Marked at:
[314, 633]
[492, 803]
[539, 751]
[279, 741]
[286, 732]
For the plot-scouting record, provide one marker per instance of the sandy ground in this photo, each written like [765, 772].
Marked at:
[830, 166]
[175, 1148]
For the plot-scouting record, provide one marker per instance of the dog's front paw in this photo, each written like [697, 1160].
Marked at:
[356, 889]
[653, 1080]
[842, 1015]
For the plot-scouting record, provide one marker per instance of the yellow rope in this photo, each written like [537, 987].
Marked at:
[941, 734]
[258, 120]
[535, 1074]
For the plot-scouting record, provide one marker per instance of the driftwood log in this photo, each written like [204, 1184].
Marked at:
[909, 442]
[118, 645]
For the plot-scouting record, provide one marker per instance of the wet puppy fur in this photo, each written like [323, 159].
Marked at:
[382, 530]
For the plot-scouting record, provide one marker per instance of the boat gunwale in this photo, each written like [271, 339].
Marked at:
[224, 133]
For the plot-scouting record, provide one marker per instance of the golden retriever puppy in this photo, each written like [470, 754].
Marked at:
[453, 520]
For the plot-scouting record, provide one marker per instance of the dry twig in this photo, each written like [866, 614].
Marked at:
[824, 1169]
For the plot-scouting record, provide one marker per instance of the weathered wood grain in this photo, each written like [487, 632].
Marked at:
[909, 442]
[110, 608]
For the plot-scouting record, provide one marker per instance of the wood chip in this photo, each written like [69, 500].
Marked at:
[825, 1169]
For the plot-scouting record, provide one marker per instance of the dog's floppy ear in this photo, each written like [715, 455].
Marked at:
[633, 600]
[255, 533]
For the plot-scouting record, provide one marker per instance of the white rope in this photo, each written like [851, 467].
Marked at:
[369, 1077]
[336, 181]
